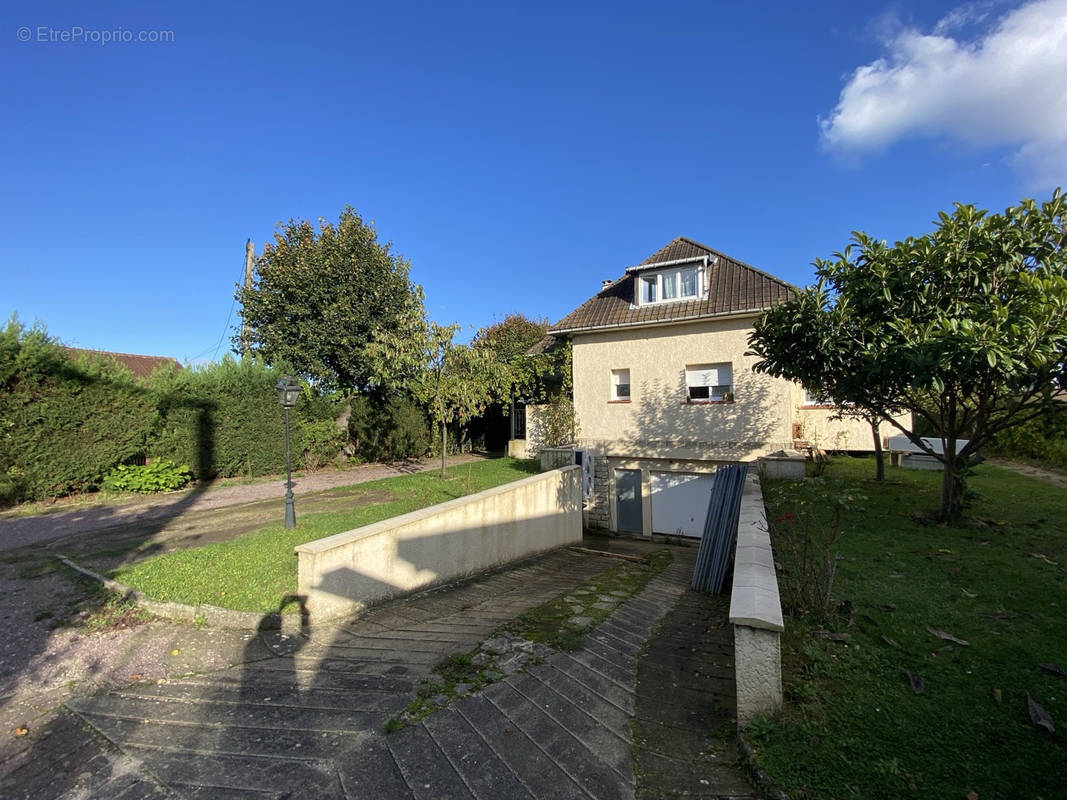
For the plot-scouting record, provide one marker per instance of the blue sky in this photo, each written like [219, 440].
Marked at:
[516, 153]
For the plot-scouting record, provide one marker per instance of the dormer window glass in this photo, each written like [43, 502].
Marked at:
[648, 289]
[668, 285]
[690, 281]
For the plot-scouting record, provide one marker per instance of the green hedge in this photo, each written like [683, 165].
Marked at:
[63, 424]
[66, 424]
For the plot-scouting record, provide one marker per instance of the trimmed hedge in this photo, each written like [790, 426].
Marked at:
[66, 424]
[63, 424]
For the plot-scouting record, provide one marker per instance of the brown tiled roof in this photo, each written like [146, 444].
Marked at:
[733, 287]
[544, 345]
[140, 366]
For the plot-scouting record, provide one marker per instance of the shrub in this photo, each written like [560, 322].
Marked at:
[388, 429]
[161, 475]
[1043, 438]
[323, 442]
[224, 419]
[65, 423]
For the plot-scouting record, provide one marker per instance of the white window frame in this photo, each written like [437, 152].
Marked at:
[811, 401]
[717, 392]
[616, 381]
[654, 280]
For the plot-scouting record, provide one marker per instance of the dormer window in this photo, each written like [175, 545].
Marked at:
[668, 285]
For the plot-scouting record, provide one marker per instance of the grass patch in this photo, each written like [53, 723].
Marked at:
[254, 571]
[853, 726]
[549, 627]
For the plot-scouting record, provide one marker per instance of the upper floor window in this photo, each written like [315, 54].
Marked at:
[709, 382]
[676, 283]
[620, 385]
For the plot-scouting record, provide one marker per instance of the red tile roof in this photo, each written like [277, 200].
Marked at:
[733, 287]
[140, 366]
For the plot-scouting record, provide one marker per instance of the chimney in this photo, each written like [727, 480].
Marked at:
[605, 284]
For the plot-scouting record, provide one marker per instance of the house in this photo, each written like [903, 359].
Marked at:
[664, 389]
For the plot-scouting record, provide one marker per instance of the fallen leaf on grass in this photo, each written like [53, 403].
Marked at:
[1046, 559]
[948, 637]
[971, 595]
[833, 637]
[20, 731]
[972, 795]
[890, 642]
[175, 652]
[998, 696]
[1039, 716]
[1055, 669]
[915, 681]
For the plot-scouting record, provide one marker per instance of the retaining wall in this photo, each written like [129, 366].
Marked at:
[343, 574]
[756, 611]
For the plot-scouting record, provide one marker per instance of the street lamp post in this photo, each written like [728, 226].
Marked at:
[288, 391]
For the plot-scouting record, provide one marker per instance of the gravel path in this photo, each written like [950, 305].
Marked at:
[16, 532]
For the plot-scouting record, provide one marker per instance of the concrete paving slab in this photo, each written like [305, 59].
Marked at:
[487, 777]
[426, 770]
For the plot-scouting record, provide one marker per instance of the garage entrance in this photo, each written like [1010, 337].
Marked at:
[680, 502]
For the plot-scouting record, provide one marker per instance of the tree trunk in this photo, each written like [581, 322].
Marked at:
[951, 483]
[444, 446]
[879, 456]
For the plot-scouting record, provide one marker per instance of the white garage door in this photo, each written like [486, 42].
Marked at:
[680, 502]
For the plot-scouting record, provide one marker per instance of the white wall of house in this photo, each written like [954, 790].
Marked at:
[659, 429]
[658, 421]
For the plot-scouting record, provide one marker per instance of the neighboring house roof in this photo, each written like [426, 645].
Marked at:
[733, 287]
[544, 345]
[140, 366]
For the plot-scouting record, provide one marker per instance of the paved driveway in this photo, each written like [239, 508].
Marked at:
[302, 716]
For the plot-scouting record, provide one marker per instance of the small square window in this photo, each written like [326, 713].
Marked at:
[709, 382]
[620, 384]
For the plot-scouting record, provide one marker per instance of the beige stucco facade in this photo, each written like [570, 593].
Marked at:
[660, 430]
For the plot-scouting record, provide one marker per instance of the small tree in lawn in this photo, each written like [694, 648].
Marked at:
[454, 381]
[965, 327]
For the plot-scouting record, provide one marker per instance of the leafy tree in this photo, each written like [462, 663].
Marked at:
[510, 340]
[966, 327]
[321, 297]
[455, 381]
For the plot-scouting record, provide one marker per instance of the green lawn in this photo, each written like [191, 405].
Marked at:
[253, 572]
[853, 727]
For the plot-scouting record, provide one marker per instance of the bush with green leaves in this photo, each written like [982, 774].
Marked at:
[1041, 439]
[160, 475]
[224, 419]
[64, 423]
[389, 429]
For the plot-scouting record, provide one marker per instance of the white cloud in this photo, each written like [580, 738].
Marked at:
[1006, 86]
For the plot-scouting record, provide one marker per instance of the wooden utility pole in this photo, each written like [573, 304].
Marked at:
[250, 258]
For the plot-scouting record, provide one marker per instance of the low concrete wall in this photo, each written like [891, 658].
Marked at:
[783, 468]
[756, 611]
[345, 573]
